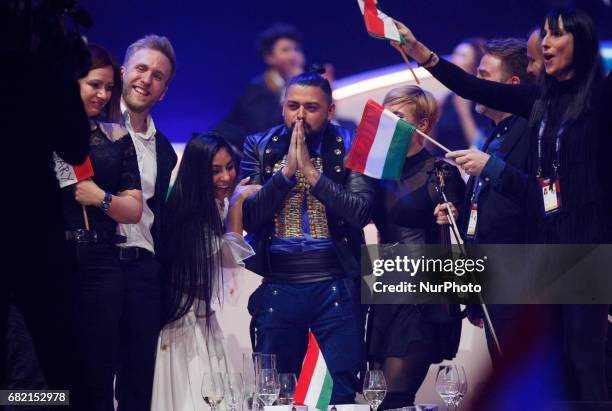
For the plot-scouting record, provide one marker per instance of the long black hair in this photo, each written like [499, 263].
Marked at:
[192, 230]
[586, 63]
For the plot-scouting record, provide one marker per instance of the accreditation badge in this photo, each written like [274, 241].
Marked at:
[551, 194]
[471, 229]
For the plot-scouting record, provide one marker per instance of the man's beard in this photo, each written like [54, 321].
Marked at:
[136, 108]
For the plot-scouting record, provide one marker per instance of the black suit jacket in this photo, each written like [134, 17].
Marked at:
[501, 220]
[166, 160]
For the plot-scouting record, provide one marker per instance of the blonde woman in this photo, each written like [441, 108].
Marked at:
[403, 340]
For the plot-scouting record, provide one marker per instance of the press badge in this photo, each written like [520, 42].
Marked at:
[551, 194]
[471, 229]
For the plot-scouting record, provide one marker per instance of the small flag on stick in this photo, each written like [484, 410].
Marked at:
[314, 387]
[381, 26]
[68, 175]
[382, 141]
[378, 24]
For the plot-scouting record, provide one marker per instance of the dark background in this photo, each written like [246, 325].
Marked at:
[215, 39]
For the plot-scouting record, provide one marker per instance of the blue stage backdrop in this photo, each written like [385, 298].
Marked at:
[215, 40]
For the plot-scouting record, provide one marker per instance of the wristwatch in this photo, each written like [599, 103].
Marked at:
[108, 198]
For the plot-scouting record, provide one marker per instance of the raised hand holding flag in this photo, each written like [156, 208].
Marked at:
[381, 26]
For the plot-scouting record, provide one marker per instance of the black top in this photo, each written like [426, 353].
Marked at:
[585, 176]
[404, 212]
[115, 167]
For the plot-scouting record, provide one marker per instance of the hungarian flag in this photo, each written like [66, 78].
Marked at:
[377, 23]
[68, 175]
[314, 387]
[382, 141]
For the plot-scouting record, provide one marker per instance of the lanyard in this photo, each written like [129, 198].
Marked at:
[557, 161]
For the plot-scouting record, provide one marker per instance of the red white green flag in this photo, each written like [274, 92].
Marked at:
[377, 23]
[314, 387]
[68, 175]
[381, 144]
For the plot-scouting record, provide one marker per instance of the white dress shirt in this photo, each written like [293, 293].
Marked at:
[139, 235]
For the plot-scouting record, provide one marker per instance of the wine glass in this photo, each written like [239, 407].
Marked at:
[268, 385]
[234, 391]
[374, 388]
[463, 385]
[288, 382]
[212, 389]
[250, 390]
[250, 381]
[264, 361]
[447, 384]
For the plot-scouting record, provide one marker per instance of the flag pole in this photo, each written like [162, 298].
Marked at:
[461, 244]
[409, 65]
[432, 140]
[85, 218]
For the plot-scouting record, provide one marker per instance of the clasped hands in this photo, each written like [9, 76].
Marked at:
[298, 158]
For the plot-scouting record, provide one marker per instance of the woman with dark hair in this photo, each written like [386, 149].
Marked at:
[404, 340]
[197, 253]
[102, 60]
[568, 187]
[92, 208]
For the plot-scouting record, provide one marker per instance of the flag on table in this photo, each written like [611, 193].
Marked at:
[68, 175]
[377, 23]
[314, 387]
[380, 146]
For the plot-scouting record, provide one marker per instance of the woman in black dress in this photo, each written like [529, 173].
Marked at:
[92, 208]
[404, 340]
[571, 133]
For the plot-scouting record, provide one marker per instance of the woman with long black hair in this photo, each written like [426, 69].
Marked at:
[197, 251]
[568, 187]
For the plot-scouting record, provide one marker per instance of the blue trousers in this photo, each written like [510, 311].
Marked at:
[282, 314]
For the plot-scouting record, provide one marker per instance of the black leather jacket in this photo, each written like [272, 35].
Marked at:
[348, 196]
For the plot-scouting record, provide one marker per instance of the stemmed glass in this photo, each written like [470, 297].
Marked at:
[234, 391]
[252, 363]
[463, 385]
[268, 385]
[264, 361]
[374, 388]
[447, 384]
[212, 389]
[288, 382]
[250, 390]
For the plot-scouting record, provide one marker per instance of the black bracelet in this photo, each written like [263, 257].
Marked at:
[431, 56]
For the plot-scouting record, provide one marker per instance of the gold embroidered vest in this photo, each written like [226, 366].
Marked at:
[288, 220]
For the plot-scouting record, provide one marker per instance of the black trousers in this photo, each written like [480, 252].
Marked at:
[140, 326]
[98, 304]
[506, 322]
